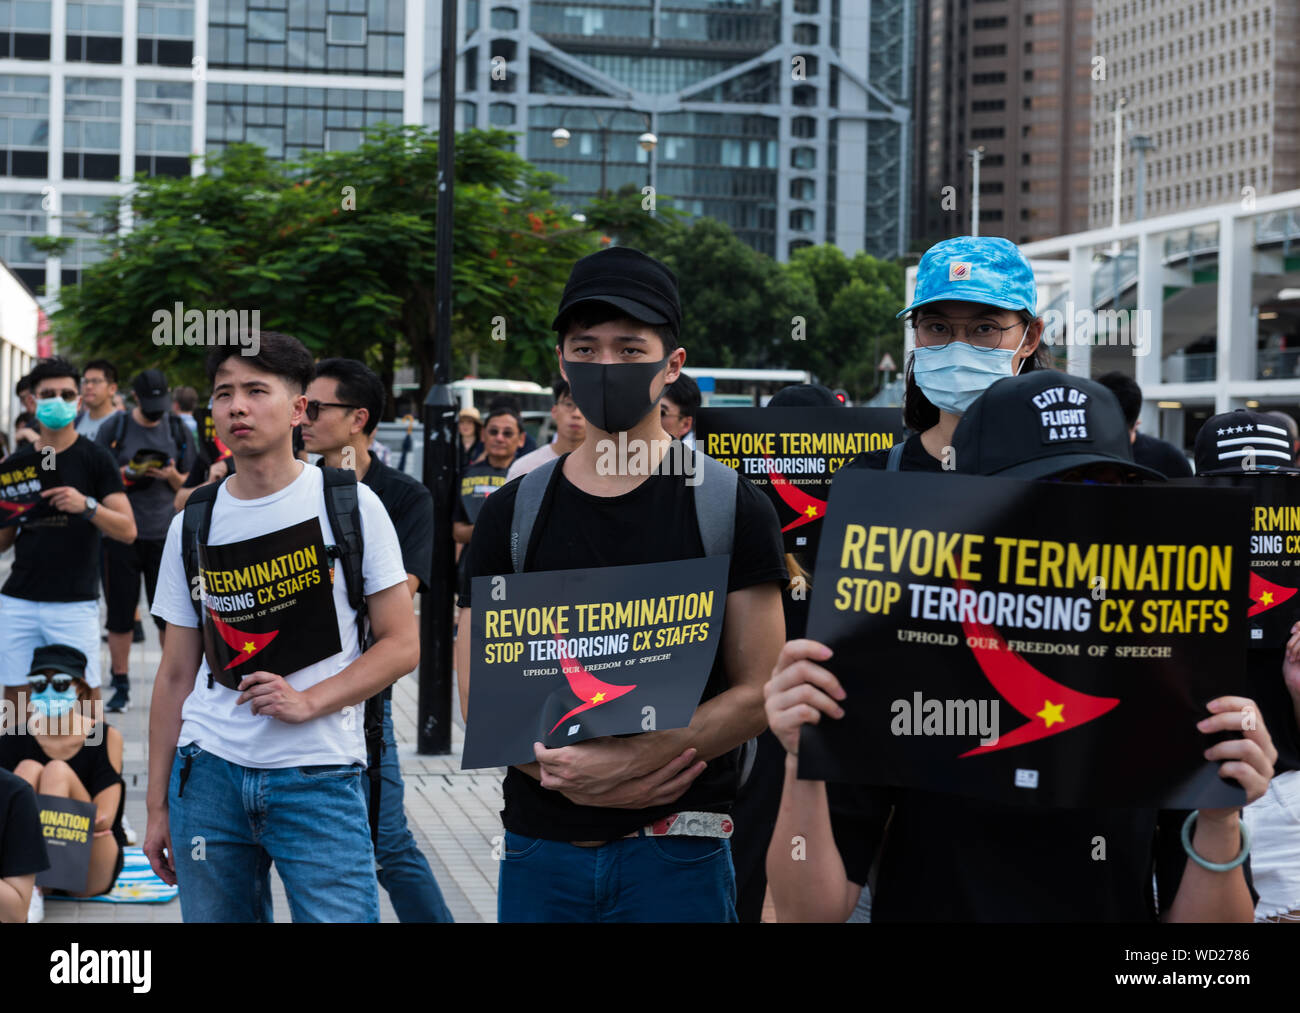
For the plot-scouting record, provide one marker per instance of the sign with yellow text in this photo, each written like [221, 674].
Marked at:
[20, 492]
[69, 829]
[1033, 643]
[568, 655]
[269, 603]
[792, 454]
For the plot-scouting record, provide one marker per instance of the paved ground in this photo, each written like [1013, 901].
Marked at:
[453, 814]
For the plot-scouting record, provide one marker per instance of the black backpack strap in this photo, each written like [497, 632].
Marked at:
[119, 430]
[895, 460]
[715, 504]
[343, 508]
[195, 523]
[180, 435]
[528, 503]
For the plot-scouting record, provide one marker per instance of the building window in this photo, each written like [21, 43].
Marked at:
[501, 114]
[803, 188]
[345, 30]
[25, 31]
[94, 31]
[335, 36]
[802, 220]
[504, 19]
[22, 219]
[163, 114]
[988, 105]
[805, 34]
[803, 158]
[268, 26]
[92, 128]
[997, 50]
[987, 133]
[86, 221]
[165, 33]
[803, 126]
[803, 95]
[24, 126]
[996, 77]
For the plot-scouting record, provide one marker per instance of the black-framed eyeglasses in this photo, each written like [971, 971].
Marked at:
[314, 407]
[67, 395]
[981, 332]
[59, 682]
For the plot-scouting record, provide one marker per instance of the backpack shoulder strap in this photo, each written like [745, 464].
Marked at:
[895, 460]
[119, 430]
[715, 504]
[195, 524]
[179, 435]
[343, 508]
[528, 502]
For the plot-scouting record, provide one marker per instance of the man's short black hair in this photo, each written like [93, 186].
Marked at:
[684, 392]
[503, 408]
[561, 388]
[47, 369]
[105, 367]
[24, 384]
[593, 314]
[281, 354]
[1127, 392]
[358, 384]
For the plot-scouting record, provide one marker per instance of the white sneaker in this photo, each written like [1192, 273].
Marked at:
[36, 909]
[126, 829]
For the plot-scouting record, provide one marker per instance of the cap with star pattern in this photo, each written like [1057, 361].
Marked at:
[1243, 440]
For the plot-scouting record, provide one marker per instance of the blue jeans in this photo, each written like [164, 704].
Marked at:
[229, 823]
[638, 879]
[403, 870]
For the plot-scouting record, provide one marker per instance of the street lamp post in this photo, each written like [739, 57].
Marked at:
[648, 141]
[1141, 143]
[976, 156]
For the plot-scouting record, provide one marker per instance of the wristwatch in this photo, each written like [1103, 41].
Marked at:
[92, 505]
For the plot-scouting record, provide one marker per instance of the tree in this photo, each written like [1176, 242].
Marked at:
[337, 249]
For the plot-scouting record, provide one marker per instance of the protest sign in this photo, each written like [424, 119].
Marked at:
[260, 588]
[1043, 644]
[791, 454]
[213, 449]
[69, 829]
[568, 655]
[1273, 605]
[20, 493]
[477, 483]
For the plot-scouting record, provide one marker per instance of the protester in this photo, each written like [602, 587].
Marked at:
[469, 424]
[510, 403]
[502, 438]
[98, 388]
[65, 753]
[1155, 453]
[25, 428]
[586, 826]
[155, 452]
[344, 404]
[52, 594]
[570, 431]
[1253, 444]
[184, 401]
[212, 463]
[759, 797]
[269, 771]
[677, 408]
[22, 850]
[948, 858]
[1292, 428]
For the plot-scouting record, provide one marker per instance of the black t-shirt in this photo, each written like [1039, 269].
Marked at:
[90, 763]
[22, 843]
[653, 523]
[477, 483]
[56, 555]
[948, 858]
[1164, 457]
[1268, 690]
[410, 507]
[915, 458]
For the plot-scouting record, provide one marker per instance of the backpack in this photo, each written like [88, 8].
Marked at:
[715, 512]
[179, 431]
[343, 508]
[895, 460]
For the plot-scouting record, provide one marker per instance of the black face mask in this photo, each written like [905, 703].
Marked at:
[613, 397]
[153, 416]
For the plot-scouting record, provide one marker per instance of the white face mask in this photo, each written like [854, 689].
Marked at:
[953, 376]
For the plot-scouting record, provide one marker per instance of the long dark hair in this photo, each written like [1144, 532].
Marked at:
[919, 414]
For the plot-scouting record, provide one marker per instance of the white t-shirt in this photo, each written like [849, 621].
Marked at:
[532, 459]
[210, 717]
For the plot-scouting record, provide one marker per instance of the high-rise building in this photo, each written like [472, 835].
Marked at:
[786, 119]
[1011, 77]
[1211, 90]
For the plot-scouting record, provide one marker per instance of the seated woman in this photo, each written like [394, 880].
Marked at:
[63, 753]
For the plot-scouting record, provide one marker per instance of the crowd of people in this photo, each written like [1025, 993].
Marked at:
[299, 768]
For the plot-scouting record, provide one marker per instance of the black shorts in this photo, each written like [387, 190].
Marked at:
[124, 565]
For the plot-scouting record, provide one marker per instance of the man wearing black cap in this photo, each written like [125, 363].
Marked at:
[592, 818]
[154, 459]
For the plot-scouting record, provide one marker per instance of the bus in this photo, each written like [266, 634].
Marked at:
[742, 387]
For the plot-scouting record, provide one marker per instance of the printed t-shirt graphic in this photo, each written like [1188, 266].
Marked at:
[258, 589]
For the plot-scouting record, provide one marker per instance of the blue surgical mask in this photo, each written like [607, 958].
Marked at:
[55, 413]
[953, 376]
[52, 704]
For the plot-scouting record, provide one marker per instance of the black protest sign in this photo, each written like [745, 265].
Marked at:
[562, 656]
[69, 829]
[1273, 600]
[477, 483]
[1041, 644]
[213, 449]
[269, 603]
[792, 453]
[20, 493]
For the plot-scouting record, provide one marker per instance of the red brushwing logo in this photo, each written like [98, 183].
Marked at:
[15, 509]
[1264, 594]
[247, 644]
[586, 687]
[1051, 707]
[809, 508]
